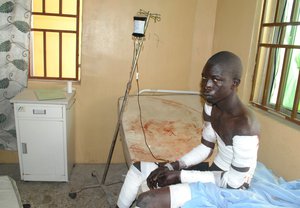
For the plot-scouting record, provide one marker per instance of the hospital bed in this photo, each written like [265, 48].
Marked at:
[172, 122]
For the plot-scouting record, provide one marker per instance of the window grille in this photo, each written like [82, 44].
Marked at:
[276, 82]
[55, 40]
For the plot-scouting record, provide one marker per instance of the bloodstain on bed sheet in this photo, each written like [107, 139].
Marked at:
[167, 139]
[170, 126]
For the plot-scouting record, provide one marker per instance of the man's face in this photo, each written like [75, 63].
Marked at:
[216, 83]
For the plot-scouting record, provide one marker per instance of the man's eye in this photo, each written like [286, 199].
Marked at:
[204, 78]
[216, 80]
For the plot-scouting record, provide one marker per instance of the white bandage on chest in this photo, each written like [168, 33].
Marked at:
[208, 133]
[207, 109]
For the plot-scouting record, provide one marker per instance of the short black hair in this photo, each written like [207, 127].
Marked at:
[228, 61]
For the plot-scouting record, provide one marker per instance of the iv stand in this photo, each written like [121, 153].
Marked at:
[137, 50]
[138, 47]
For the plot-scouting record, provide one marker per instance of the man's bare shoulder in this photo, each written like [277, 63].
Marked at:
[245, 123]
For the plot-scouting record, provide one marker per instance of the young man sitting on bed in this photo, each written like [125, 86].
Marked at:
[227, 122]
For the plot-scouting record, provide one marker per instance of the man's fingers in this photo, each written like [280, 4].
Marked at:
[154, 177]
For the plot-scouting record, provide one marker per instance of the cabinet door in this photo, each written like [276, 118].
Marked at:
[42, 147]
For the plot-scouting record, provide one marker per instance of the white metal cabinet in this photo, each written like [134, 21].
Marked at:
[45, 138]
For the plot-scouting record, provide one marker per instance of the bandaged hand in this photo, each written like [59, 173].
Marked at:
[161, 177]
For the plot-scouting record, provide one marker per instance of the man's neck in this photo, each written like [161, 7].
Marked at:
[230, 105]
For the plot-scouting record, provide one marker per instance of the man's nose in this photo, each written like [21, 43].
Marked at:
[208, 84]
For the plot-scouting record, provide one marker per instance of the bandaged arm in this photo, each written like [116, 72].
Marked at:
[198, 155]
[241, 169]
[243, 164]
[201, 152]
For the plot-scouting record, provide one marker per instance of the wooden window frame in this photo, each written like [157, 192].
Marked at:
[60, 33]
[264, 88]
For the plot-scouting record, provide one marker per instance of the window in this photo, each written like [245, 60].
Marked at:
[276, 83]
[55, 40]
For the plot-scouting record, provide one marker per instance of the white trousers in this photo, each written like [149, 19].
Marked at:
[135, 182]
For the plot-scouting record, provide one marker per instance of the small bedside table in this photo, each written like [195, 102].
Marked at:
[45, 136]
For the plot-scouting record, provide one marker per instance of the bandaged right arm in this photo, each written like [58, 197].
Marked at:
[195, 156]
[201, 152]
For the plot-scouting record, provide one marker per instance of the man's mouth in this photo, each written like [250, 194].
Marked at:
[207, 95]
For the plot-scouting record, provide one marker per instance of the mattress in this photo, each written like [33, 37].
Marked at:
[160, 127]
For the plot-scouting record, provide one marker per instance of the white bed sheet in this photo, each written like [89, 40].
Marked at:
[9, 194]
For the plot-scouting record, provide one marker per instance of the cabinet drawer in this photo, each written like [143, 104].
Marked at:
[39, 111]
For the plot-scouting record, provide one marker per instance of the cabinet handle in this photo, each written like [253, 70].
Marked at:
[24, 148]
[39, 111]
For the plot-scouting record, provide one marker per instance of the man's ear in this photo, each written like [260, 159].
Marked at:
[236, 82]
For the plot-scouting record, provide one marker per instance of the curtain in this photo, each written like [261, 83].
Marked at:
[14, 61]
